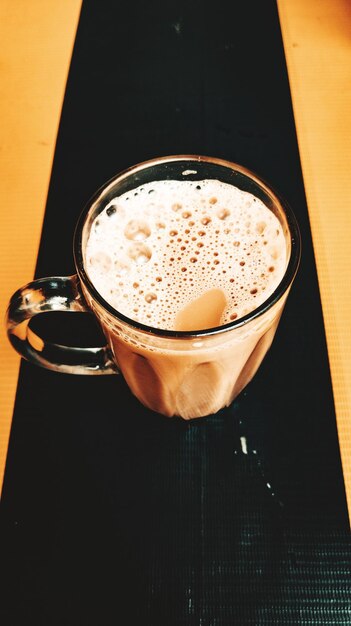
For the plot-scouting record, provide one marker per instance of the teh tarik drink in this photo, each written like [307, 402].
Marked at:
[184, 267]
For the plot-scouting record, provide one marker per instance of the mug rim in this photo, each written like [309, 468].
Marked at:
[276, 295]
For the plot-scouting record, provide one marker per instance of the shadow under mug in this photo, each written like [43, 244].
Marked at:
[189, 374]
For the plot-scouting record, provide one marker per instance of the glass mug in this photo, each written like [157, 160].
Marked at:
[186, 373]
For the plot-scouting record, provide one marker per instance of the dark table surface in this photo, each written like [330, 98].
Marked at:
[112, 514]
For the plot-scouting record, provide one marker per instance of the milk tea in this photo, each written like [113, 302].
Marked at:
[187, 256]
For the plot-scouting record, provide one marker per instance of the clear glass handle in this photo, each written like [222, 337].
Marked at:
[56, 293]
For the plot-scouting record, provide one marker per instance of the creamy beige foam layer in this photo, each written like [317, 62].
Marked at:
[186, 255]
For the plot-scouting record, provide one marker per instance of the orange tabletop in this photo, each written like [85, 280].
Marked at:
[37, 40]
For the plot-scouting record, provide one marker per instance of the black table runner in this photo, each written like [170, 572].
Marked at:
[112, 514]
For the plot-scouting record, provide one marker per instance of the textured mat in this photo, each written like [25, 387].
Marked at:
[112, 514]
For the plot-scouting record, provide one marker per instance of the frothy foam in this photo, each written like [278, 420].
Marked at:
[186, 255]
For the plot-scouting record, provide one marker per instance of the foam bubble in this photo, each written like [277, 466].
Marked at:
[139, 253]
[150, 297]
[137, 230]
[223, 214]
[100, 261]
[122, 267]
